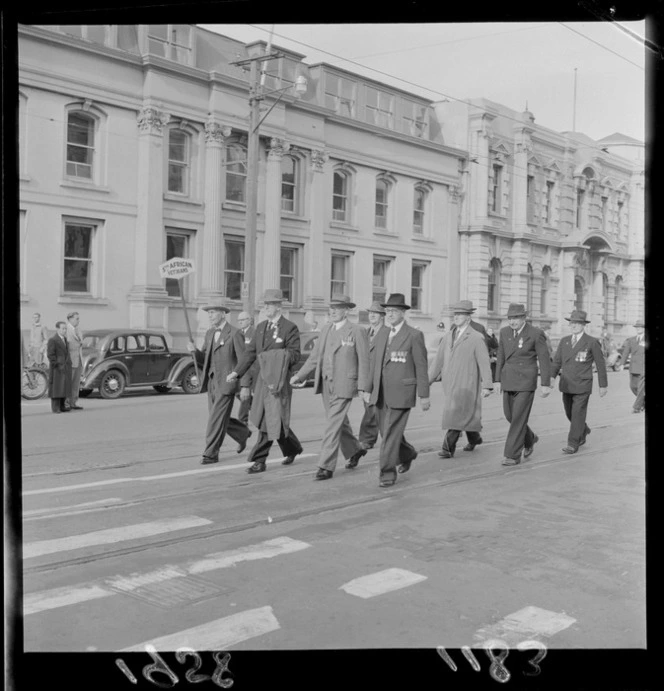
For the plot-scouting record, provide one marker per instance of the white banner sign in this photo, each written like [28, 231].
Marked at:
[177, 268]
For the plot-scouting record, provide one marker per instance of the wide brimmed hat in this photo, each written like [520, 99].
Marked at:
[463, 307]
[578, 316]
[273, 295]
[216, 306]
[516, 309]
[639, 322]
[396, 300]
[340, 300]
[376, 307]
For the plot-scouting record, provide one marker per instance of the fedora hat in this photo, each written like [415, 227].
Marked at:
[216, 306]
[339, 300]
[578, 316]
[516, 309]
[396, 300]
[376, 307]
[273, 295]
[639, 322]
[463, 307]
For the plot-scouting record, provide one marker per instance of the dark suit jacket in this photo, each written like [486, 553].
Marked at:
[576, 364]
[287, 337]
[59, 373]
[401, 366]
[224, 355]
[249, 378]
[480, 329]
[516, 367]
[637, 364]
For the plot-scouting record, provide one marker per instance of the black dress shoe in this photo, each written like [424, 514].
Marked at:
[387, 482]
[403, 467]
[527, 450]
[470, 447]
[76, 407]
[288, 460]
[206, 459]
[65, 410]
[511, 461]
[257, 467]
[355, 458]
[583, 441]
[323, 474]
[569, 449]
[243, 444]
[56, 411]
[445, 454]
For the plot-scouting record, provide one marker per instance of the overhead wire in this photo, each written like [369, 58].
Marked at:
[601, 45]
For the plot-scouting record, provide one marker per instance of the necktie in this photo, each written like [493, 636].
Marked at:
[515, 333]
[638, 340]
[454, 334]
[217, 334]
[393, 333]
[372, 333]
[575, 338]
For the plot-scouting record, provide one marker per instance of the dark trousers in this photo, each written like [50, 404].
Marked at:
[220, 422]
[452, 437]
[394, 448]
[244, 408]
[637, 383]
[368, 434]
[516, 406]
[576, 407]
[57, 405]
[288, 443]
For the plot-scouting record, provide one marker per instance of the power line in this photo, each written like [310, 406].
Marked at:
[601, 45]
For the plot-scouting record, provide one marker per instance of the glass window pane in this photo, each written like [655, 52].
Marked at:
[175, 178]
[72, 29]
[372, 97]
[339, 184]
[77, 276]
[128, 38]
[235, 256]
[80, 129]
[177, 146]
[233, 286]
[78, 241]
[97, 33]
[158, 31]
[287, 261]
[180, 35]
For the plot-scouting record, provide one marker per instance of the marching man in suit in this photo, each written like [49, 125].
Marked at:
[635, 348]
[574, 360]
[246, 325]
[368, 434]
[276, 347]
[520, 348]
[398, 373]
[223, 346]
[341, 360]
[59, 373]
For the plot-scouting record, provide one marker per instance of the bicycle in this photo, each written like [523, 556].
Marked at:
[34, 382]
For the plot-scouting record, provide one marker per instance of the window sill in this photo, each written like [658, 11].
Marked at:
[495, 214]
[344, 226]
[386, 233]
[182, 199]
[25, 178]
[292, 216]
[234, 206]
[75, 184]
[24, 298]
[423, 238]
[82, 300]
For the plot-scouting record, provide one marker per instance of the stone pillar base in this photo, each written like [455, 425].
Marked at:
[148, 308]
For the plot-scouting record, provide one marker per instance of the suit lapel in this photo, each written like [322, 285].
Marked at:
[343, 335]
[223, 336]
[399, 339]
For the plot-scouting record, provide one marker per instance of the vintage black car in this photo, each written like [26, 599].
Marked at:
[118, 359]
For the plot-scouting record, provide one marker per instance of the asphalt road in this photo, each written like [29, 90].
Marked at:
[128, 540]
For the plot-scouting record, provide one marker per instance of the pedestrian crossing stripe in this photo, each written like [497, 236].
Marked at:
[381, 582]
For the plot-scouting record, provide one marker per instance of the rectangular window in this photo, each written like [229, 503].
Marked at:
[381, 204]
[380, 270]
[530, 199]
[339, 274]
[548, 212]
[78, 257]
[496, 189]
[340, 197]
[340, 95]
[414, 119]
[236, 173]
[178, 159]
[288, 273]
[177, 245]
[80, 145]
[619, 229]
[418, 212]
[417, 286]
[379, 108]
[605, 207]
[579, 207]
[234, 271]
[288, 183]
[171, 41]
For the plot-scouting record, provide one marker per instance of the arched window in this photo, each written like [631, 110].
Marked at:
[544, 292]
[179, 153]
[236, 173]
[340, 197]
[289, 184]
[578, 293]
[617, 299]
[493, 292]
[530, 278]
[419, 208]
[382, 190]
[80, 154]
[605, 298]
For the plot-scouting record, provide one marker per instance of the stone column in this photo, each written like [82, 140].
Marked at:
[148, 298]
[316, 292]
[272, 240]
[212, 265]
[520, 181]
[456, 272]
[520, 256]
[596, 311]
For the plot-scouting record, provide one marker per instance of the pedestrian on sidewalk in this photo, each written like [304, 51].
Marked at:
[276, 347]
[463, 359]
[398, 372]
[341, 361]
[38, 341]
[222, 347]
[75, 344]
[635, 349]
[59, 373]
[520, 348]
[574, 360]
[246, 325]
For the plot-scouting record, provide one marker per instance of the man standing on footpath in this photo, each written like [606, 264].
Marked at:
[635, 349]
[38, 340]
[59, 373]
[341, 360]
[368, 434]
[466, 378]
[276, 347]
[574, 360]
[246, 325]
[520, 348]
[222, 347]
[398, 372]
[75, 343]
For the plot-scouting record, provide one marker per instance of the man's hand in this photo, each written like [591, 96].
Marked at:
[245, 393]
[366, 397]
[231, 377]
[425, 403]
[546, 390]
[496, 386]
[295, 380]
[486, 392]
[191, 347]
[602, 391]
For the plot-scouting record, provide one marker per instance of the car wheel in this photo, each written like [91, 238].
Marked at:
[161, 388]
[84, 393]
[34, 384]
[190, 382]
[112, 384]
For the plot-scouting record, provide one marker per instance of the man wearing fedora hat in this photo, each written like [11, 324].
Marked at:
[246, 326]
[368, 434]
[574, 360]
[520, 348]
[466, 378]
[635, 349]
[276, 347]
[341, 360]
[222, 348]
[398, 372]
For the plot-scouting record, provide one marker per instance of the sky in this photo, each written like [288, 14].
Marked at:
[509, 63]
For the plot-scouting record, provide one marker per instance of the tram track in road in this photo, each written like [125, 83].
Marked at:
[385, 496]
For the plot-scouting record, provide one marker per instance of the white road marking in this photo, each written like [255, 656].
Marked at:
[219, 634]
[151, 478]
[54, 511]
[525, 624]
[381, 582]
[71, 595]
[111, 535]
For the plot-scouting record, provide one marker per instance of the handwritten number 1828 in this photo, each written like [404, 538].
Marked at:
[159, 666]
